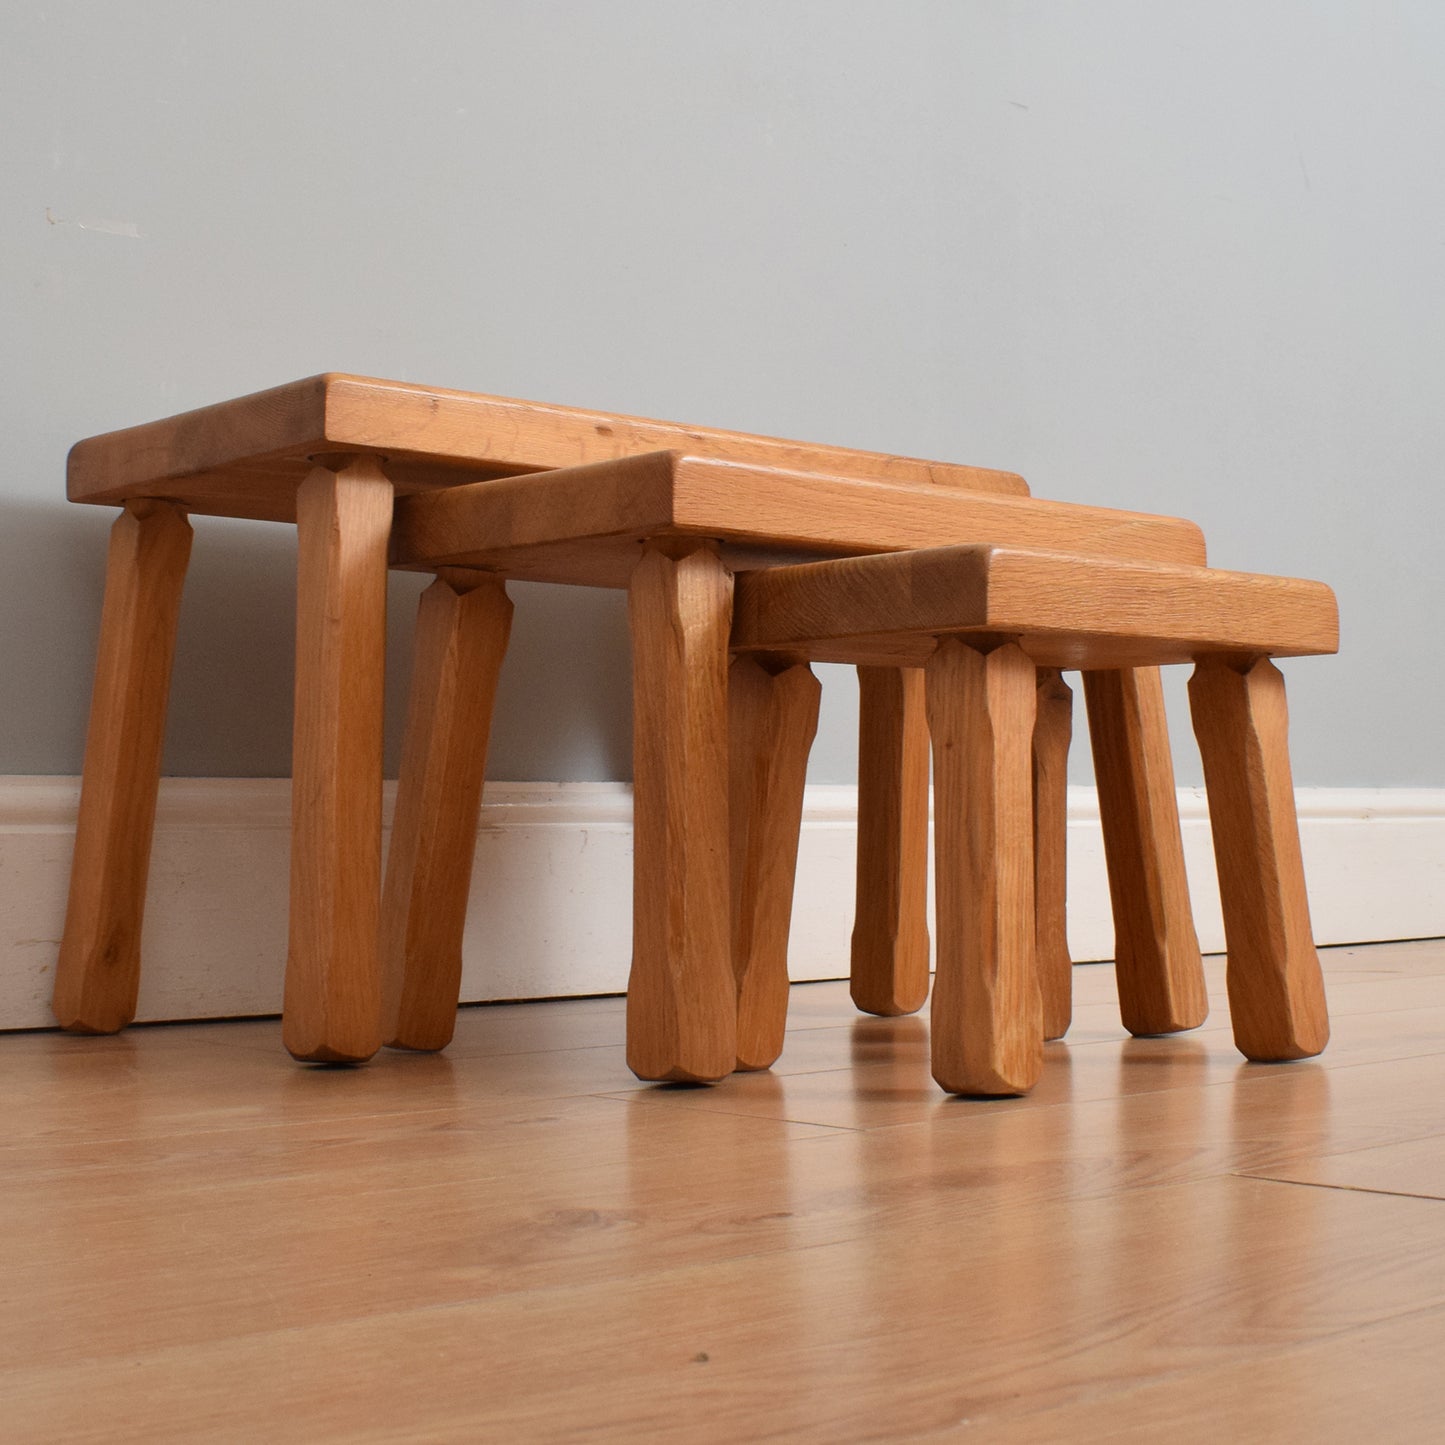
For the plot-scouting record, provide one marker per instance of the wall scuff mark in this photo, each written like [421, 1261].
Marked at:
[90, 223]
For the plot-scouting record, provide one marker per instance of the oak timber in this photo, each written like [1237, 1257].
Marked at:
[986, 1022]
[585, 524]
[961, 606]
[1156, 950]
[463, 622]
[772, 718]
[681, 993]
[889, 949]
[1276, 993]
[246, 457]
[1066, 610]
[98, 972]
[333, 990]
[1053, 730]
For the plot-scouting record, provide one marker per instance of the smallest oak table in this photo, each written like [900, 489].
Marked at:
[333, 454]
[981, 621]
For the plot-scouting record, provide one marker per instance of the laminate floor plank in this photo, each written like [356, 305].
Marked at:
[1405, 958]
[358, 1222]
[1363, 1384]
[1408, 1166]
[516, 1240]
[852, 1341]
[876, 1074]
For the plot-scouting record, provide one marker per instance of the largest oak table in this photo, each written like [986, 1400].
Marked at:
[346, 457]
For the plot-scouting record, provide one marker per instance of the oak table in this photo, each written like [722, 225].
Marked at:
[981, 621]
[674, 530]
[337, 454]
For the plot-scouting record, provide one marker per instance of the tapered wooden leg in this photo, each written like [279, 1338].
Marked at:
[1053, 730]
[987, 1016]
[1157, 962]
[773, 715]
[681, 997]
[333, 1004]
[463, 622]
[890, 929]
[1276, 990]
[98, 973]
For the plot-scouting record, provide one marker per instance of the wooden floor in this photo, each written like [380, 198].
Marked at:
[200, 1240]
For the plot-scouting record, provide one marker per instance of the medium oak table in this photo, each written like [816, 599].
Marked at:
[674, 529]
[341, 456]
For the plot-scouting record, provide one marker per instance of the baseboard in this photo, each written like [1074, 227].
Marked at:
[551, 893]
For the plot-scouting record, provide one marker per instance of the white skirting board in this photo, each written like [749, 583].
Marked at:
[551, 902]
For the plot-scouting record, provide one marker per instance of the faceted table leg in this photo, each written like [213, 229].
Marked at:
[890, 930]
[1276, 990]
[1160, 972]
[333, 1006]
[463, 622]
[98, 973]
[773, 715]
[1053, 730]
[682, 996]
[987, 1016]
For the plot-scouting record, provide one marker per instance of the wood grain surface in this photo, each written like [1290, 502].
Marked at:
[333, 998]
[1070, 611]
[246, 457]
[986, 1017]
[1053, 730]
[1276, 993]
[1156, 950]
[889, 949]
[772, 718]
[583, 524]
[516, 1241]
[97, 977]
[463, 622]
[681, 993]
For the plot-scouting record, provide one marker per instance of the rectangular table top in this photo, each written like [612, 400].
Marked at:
[1066, 611]
[246, 457]
[587, 524]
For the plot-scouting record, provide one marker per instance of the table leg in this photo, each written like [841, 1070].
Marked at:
[987, 1015]
[1157, 962]
[1053, 731]
[333, 1006]
[773, 715]
[681, 997]
[890, 952]
[1276, 990]
[97, 976]
[463, 622]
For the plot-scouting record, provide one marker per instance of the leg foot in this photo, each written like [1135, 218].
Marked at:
[1160, 972]
[890, 930]
[333, 1005]
[463, 622]
[681, 997]
[773, 716]
[987, 1011]
[1276, 990]
[98, 973]
[1053, 730]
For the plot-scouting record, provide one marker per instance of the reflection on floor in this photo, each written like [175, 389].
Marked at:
[517, 1241]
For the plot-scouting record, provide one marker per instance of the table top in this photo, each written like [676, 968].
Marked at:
[1065, 611]
[587, 524]
[246, 457]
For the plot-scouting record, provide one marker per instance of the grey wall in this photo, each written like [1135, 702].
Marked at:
[1179, 258]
